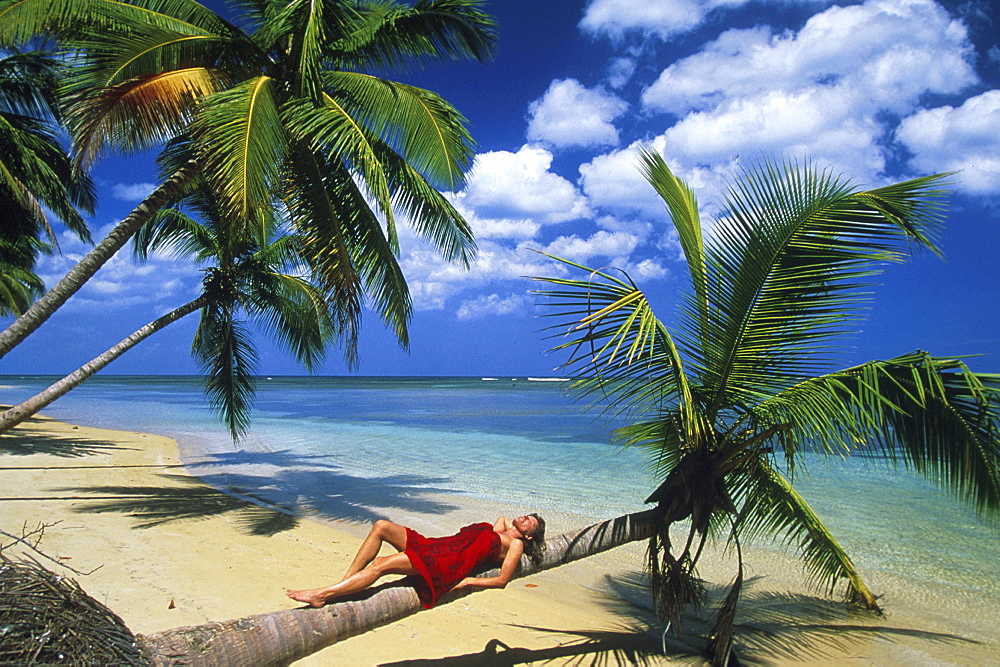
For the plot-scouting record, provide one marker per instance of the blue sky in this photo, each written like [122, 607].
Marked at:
[883, 90]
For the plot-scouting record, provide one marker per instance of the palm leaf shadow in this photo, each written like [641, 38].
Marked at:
[628, 645]
[33, 438]
[188, 498]
[770, 625]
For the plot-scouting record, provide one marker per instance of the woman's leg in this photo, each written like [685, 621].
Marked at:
[382, 531]
[394, 564]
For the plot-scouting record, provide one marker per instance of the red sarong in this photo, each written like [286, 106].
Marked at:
[444, 561]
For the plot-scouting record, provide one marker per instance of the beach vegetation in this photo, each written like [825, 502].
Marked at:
[261, 280]
[36, 175]
[748, 378]
[292, 112]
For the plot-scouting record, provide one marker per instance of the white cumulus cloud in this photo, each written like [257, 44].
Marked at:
[569, 114]
[492, 304]
[132, 191]
[964, 139]
[661, 18]
[825, 92]
[516, 186]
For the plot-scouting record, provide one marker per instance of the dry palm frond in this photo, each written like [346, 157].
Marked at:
[46, 618]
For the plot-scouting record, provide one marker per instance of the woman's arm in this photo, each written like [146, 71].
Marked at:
[502, 525]
[507, 569]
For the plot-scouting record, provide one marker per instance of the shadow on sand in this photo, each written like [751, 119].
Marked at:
[267, 491]
[33, 438]
[770, 627]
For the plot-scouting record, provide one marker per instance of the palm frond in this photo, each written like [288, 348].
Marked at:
[136, 114]
[772, 507]
[19, 286]
[334, 134]
[37, 175]
[683, 208]
[427, 132]
[616, 341]
[296, 314]
[224, 349]
[391, 35]
[426, 210]
[783, 267]
[28, 83]
[933, 414]
[172, 230]
[241, 135]
[22, 20]
[322, 211]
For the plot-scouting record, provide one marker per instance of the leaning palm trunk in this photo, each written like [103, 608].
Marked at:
[41, 400]
[282, 637]
[85, 269]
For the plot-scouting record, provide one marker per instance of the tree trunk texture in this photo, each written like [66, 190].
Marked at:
[281, 637]
[85, 269]
[17, 414]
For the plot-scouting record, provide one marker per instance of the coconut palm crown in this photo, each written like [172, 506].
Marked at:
[290, 107]
[747, 381]
[267, 284]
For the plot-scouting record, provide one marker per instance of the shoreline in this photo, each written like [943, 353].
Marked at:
[175, 551]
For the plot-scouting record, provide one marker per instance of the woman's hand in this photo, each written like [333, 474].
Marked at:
[464, 583]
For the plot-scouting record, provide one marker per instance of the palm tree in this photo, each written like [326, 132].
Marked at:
[727, 403]
[292, 107]
[35, 174]
[258, 280]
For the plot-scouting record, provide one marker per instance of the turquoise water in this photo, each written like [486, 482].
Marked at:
[359, 449]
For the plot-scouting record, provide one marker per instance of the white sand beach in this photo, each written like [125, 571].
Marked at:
[163, 550]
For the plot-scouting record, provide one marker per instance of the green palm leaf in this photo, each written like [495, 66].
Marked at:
[333, 133]
[295, 313]
[934, 415]
[393, 35]
[240, 131]
[624, 351]
[771, 507]
[427, 132]
[802, 237]
[426, 210]
[224, 349]
[683, 208]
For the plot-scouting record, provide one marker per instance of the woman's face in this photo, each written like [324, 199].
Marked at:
[527, 525]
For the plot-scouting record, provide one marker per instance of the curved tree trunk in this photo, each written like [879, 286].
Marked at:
[84, 270]
[41, 400]
[282, 637]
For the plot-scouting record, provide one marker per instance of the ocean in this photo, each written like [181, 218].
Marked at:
[355, 449]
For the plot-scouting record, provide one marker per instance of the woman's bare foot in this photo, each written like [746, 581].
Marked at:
[313, 597]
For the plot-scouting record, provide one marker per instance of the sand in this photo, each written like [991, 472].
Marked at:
[162, 550]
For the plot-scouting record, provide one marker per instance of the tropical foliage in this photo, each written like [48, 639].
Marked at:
[729, 401]
[291, 110]
[261, 281]
[35, 175]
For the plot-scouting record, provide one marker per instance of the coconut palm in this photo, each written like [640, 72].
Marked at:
[258, 281]
[293, 106]
[35, 175]
[748, 381]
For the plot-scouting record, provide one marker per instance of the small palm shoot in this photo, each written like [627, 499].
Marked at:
[747, 381]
